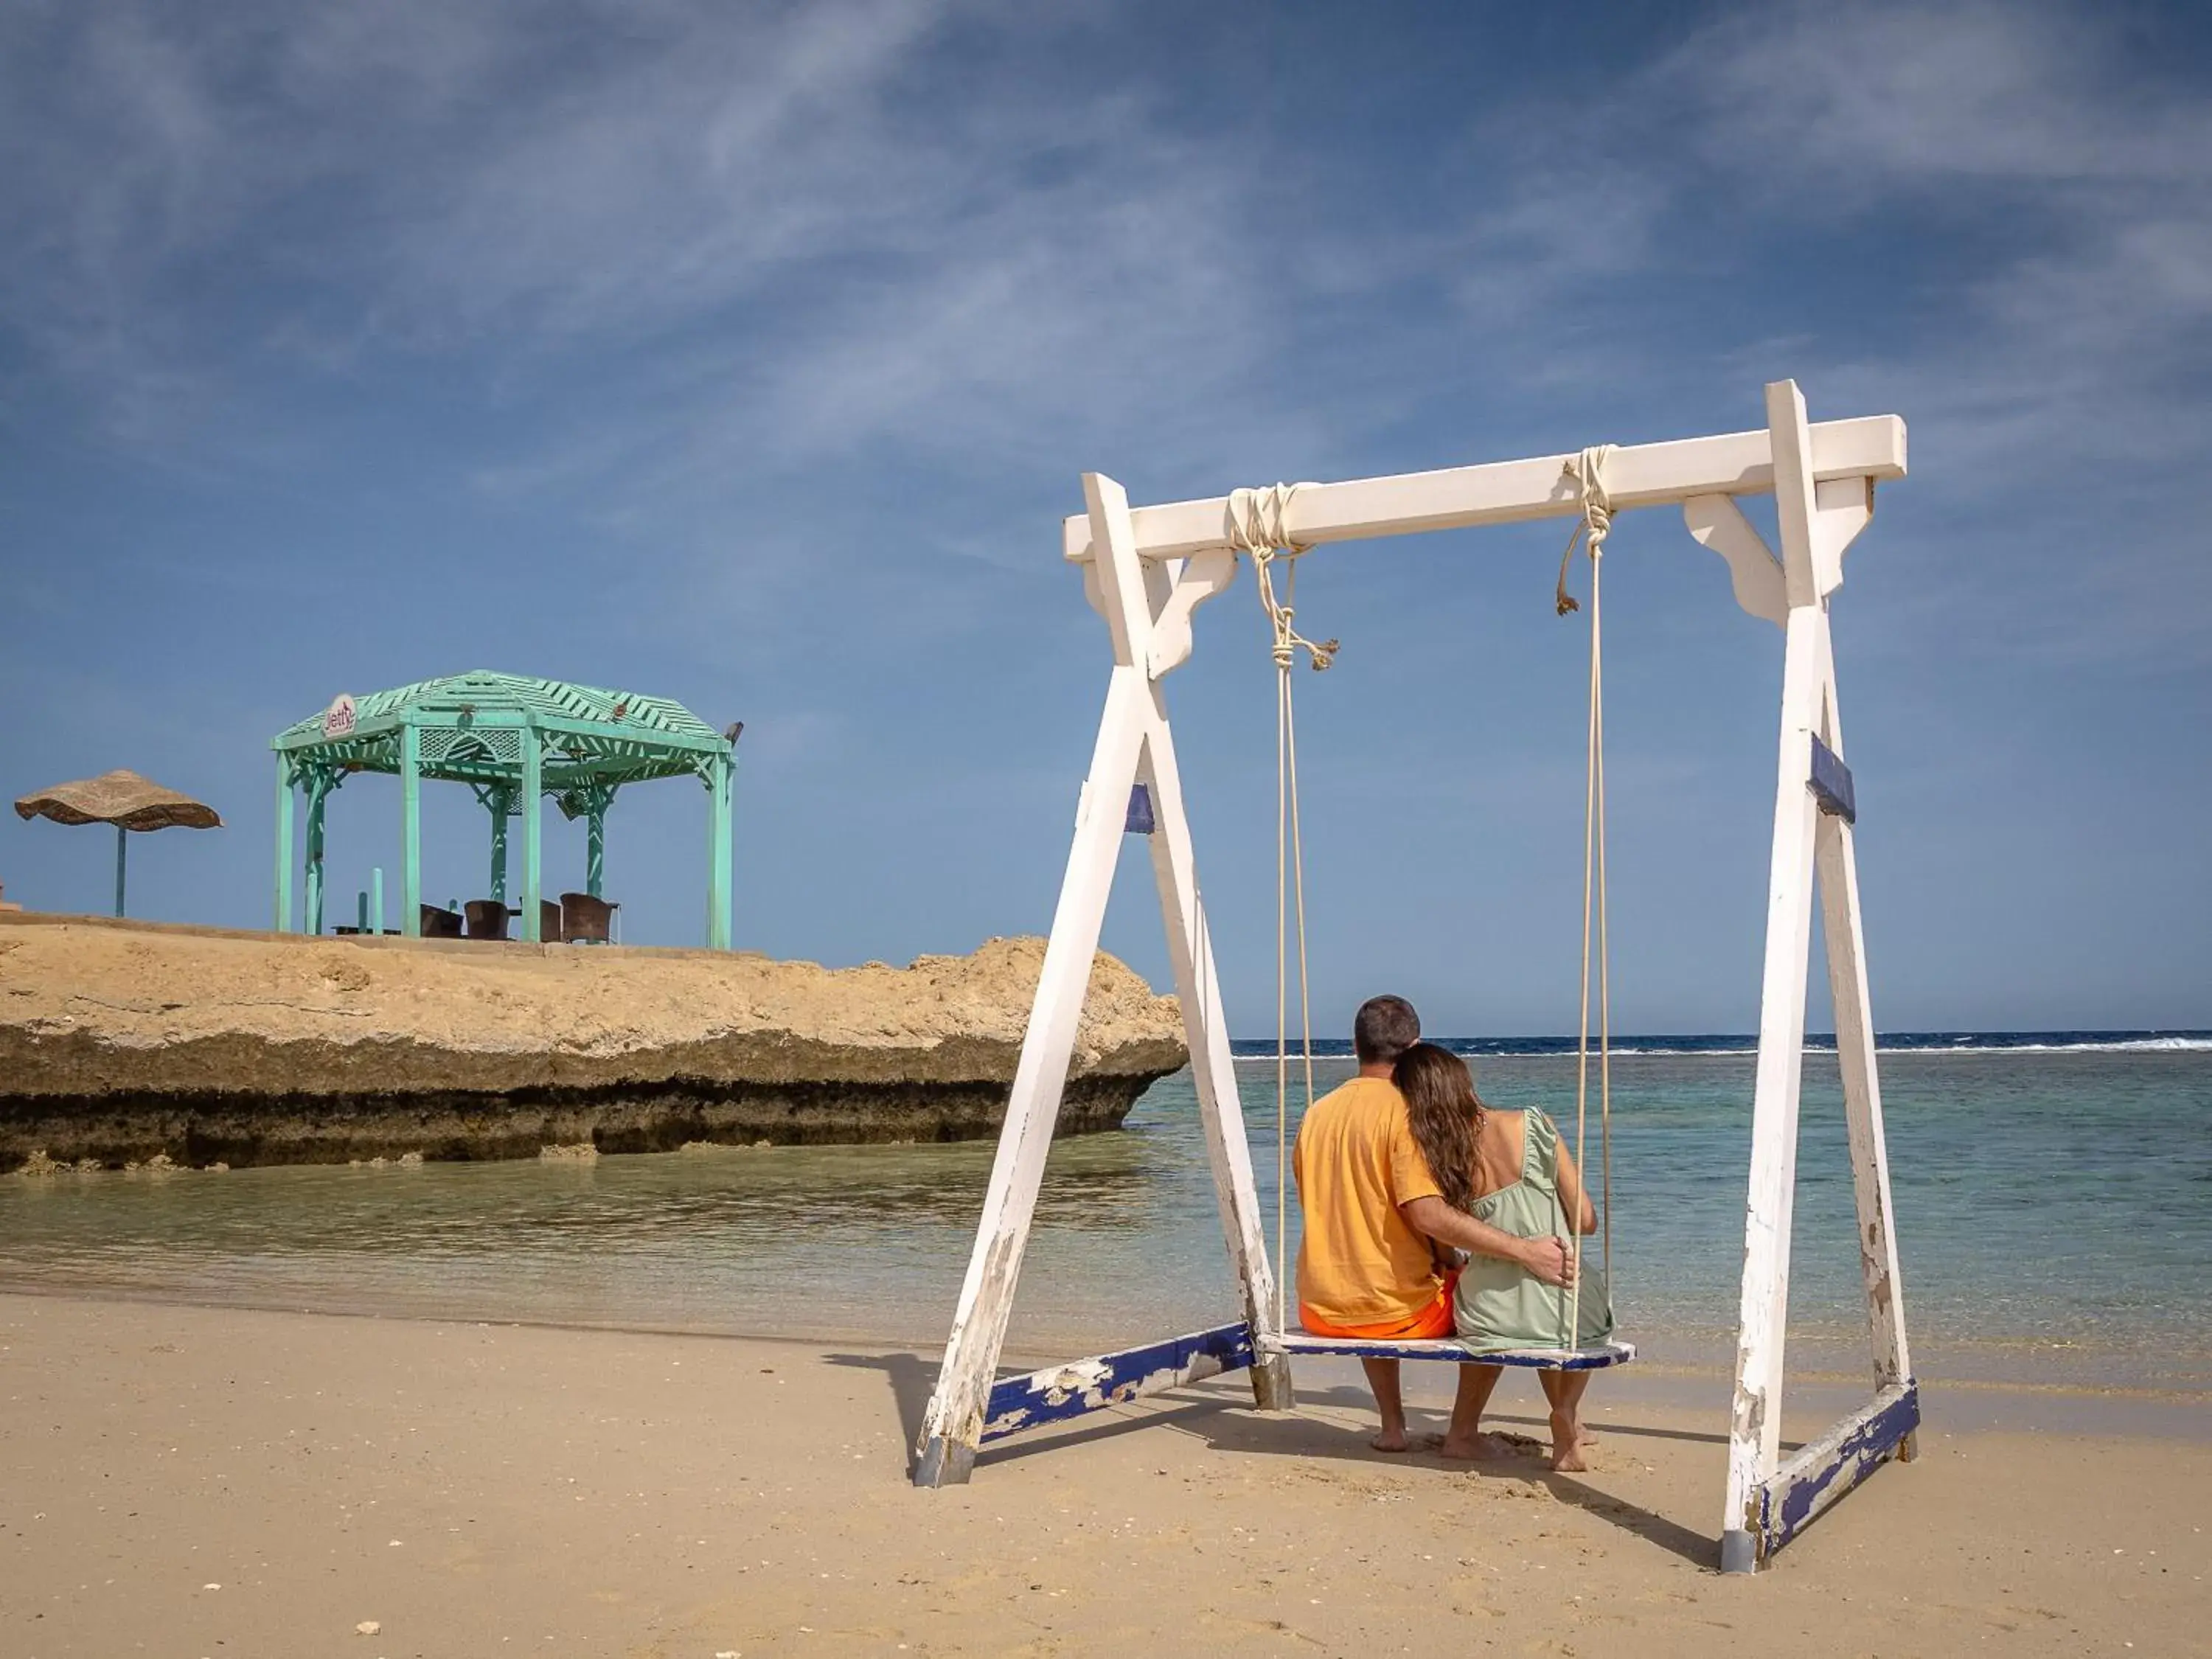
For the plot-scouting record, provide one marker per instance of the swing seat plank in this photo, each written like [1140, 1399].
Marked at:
[1058, 1392]
[1599, 1358]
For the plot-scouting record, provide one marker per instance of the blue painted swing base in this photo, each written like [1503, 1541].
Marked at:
[1780, 1507]
[1060, 1392]
[1788, 1501]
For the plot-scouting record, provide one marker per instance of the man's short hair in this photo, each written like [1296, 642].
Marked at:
[1384, 1029]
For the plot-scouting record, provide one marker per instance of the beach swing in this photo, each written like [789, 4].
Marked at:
[1147, 571]
[1256, 526]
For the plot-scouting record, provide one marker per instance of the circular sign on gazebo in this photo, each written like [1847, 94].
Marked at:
[513, 741]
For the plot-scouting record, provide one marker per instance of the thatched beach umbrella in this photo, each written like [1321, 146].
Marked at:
[123, 799]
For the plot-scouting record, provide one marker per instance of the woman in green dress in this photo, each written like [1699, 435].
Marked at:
[1510, 1169]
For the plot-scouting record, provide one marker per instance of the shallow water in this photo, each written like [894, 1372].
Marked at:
[2054, 1210]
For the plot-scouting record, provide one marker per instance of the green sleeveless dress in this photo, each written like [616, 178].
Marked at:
[1497, 1305]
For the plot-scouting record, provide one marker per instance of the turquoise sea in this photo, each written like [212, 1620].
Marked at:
[2053, 1199]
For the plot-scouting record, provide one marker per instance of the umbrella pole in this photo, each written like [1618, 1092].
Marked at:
[121, 845]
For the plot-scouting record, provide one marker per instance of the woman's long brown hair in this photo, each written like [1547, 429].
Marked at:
[1445, 1115]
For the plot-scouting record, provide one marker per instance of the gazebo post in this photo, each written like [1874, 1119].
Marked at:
[411, 829]
[319, 784]
[533, 761]
[718, 836]
[500, 798]
[283, 843]
[122, 847]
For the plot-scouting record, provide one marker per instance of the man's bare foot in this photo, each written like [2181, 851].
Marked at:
[1480, 1449]
[1390, 1440]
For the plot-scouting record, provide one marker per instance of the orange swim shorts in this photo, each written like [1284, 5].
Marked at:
[1431, 1322]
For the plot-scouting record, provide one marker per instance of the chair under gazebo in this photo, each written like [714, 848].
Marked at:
[513, 741]
[125, 799]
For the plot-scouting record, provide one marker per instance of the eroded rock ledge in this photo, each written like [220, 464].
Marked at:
[120, 1042]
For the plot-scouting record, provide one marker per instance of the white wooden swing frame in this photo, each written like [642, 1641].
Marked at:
[1146, 570]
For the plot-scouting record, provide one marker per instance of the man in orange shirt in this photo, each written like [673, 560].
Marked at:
[1370, 1262]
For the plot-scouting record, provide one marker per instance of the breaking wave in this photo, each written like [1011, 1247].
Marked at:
[1256, 1050]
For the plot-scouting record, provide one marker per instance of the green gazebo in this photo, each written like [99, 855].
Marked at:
[511, 740]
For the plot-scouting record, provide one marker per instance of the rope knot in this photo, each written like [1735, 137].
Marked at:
[1587, 470]
[1257, 528]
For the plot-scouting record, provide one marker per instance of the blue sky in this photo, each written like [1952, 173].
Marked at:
[750, 355]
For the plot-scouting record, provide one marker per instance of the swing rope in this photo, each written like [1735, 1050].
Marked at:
[1587, 472]
[1256, 520]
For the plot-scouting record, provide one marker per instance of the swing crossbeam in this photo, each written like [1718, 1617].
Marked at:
[1870, 447]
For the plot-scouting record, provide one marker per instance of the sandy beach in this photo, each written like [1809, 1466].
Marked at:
[206, 1481]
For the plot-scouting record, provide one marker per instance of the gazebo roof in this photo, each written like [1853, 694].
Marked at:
[472, 729]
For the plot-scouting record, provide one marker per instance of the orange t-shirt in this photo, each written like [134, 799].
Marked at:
[1356, 1163]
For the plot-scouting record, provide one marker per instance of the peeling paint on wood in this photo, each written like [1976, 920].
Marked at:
[1828, 1468]
[1114, 1379]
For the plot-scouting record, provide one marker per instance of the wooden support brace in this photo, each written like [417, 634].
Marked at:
[1198, 985]
[1717, 522]
[1841, 508]
[1133, 748]
[1755, 1420]
[1844, 927]
[1786, 1502]
[1768, 1502]
[1060, 1392]
[953, 1427]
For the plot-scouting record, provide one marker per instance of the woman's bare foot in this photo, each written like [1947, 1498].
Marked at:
[1480, 1449]
[1391, 1440]
[1567, 1442]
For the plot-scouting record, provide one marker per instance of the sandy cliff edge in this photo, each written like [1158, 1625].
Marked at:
[120, 1042]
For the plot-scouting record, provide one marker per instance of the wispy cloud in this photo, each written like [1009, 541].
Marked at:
[799, 243]
[2047, 335]
[668, 247]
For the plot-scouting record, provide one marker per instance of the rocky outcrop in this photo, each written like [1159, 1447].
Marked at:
[120, 1042]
